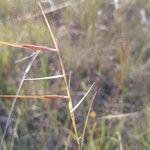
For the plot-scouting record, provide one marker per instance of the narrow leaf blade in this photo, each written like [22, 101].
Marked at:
[78, 104]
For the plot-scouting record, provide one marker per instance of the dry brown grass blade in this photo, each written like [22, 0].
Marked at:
[34, 97]
[28, 46]
[37, 47]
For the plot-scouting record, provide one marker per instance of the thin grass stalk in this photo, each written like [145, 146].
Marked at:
[122, 116]
[69, 81]
[15, 129]
[70, 104]
[122, 47]
[67, 142]
[86, 121]
[25, 58]
[122, 57]
[122, 50]
[35, 97]
[120, 141]
[15, 99]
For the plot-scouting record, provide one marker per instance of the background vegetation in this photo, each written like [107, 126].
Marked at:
[99, 43]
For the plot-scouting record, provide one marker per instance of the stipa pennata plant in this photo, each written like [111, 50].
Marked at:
[36, 51]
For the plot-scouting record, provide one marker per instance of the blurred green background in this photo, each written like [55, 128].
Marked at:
[99, 43]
